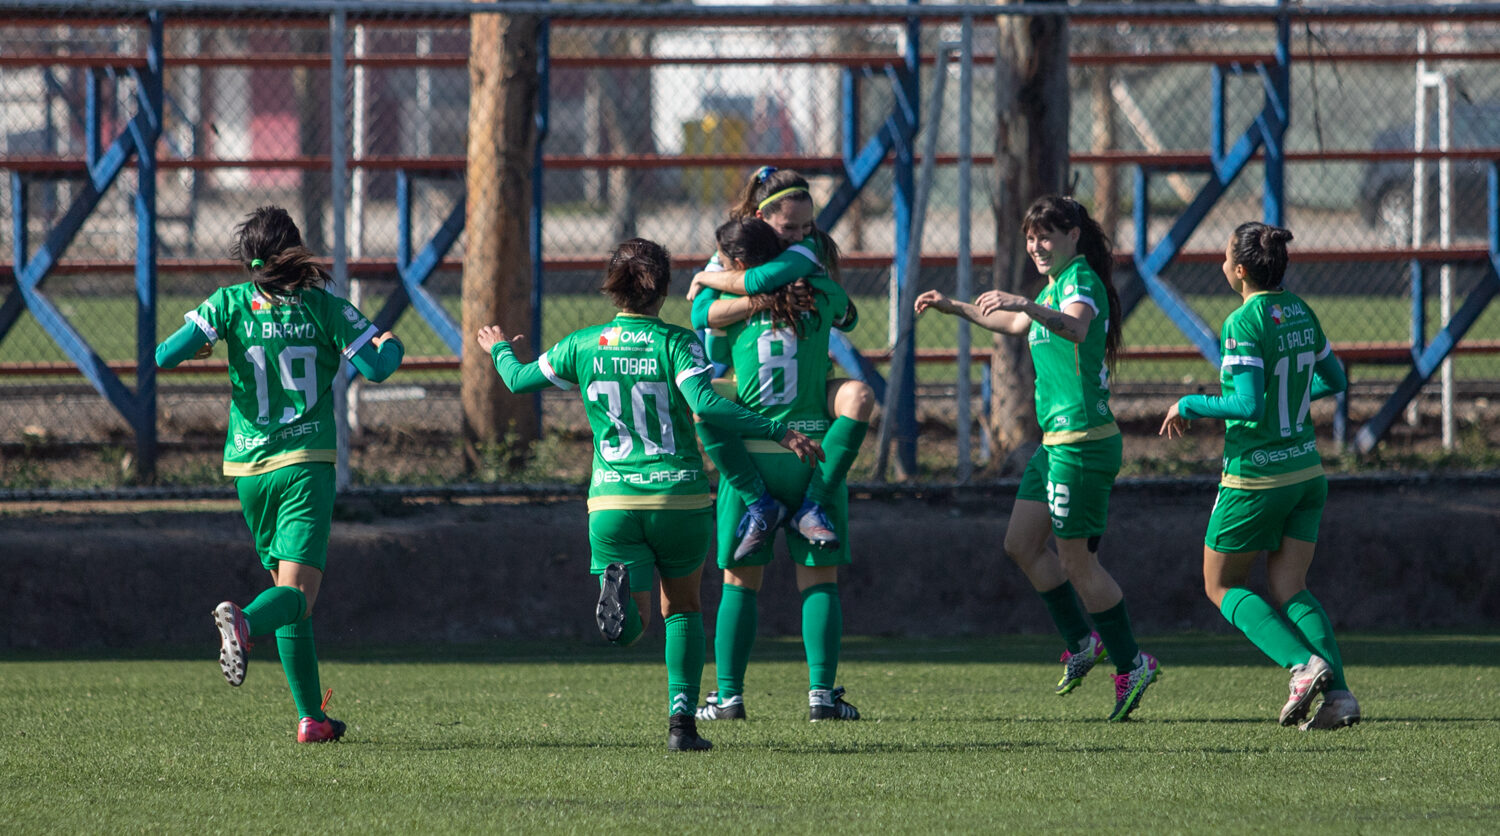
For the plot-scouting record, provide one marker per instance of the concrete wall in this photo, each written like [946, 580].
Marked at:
[1412, 555]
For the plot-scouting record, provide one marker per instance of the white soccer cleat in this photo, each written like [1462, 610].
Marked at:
[1308, 681]
[1339, 709]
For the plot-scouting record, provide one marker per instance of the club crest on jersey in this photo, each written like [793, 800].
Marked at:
[259, 302]
[1276, 314]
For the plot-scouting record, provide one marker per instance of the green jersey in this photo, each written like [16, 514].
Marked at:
[631, 371]
[1278, 333]
[283, 356]
[783, 375]
[1072, 379]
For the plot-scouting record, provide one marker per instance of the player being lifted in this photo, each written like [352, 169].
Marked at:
[780, 358]
[782, 199]
[641, 381]
[1073, 331]
[1277, 361]
[287, 338]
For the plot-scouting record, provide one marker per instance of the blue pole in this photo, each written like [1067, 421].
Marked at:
[905, 188]
[144, 417]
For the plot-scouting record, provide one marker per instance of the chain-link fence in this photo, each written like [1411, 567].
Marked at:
[651, 120]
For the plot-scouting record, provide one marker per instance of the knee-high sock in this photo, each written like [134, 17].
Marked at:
[299, 659]
[727, 451]
[1114, 630]
[1311, 620]
[1067, 613]
[275, 608]
[684, 661]
[840, 449]
[822, 634]
[734, 636]
[1264, 627]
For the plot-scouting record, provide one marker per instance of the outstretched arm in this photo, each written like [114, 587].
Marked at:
[1001, 322]
[379, 358]
[518, 377]
[1246, 402]
[721, 412]
[1071, 323]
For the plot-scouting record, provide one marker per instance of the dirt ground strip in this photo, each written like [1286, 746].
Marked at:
[1413, 553]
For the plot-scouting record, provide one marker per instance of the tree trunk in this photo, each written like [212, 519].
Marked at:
[1106, 181]
[503, 86]
[1031, 160]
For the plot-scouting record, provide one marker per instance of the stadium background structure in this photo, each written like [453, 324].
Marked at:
[889, 151]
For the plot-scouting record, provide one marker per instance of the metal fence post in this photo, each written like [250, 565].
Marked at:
[338, 154]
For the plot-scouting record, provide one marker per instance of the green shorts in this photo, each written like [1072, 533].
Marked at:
[1252, 521]
[786, 478]
[672, 542]
[290, 511]
[1074, 480]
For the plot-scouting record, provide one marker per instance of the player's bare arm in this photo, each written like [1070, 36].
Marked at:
[724, 281]
[1001, 322]
[1071, 323]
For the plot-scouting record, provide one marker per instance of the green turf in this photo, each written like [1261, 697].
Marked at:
[959, 735]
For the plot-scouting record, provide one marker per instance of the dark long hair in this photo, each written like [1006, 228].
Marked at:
[638, 274]
[768, 182]
[1059, 213]
[269, 245]
[1261, 250]
[753, 242]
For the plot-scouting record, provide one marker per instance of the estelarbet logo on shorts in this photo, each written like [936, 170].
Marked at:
[1259, 457]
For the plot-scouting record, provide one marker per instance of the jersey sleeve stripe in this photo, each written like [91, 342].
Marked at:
[359, 342]
[805, 253]
[546, 366]
[1327, 350]
[1079, 297]
[689, 372]
[1243, 360]
[198, 320]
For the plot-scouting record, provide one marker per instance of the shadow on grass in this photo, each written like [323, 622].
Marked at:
[1175, 651]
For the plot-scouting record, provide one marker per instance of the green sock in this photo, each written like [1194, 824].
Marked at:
[684, 661]
[727, 451]
[822, 633]
[1311, 620]
[275, 608]
[299, 659]
[734, 636]
[1067, 614]
[1113, 625]
[1264, 627]
[840, 448]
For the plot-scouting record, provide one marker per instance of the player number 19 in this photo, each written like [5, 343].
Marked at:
[306, 382]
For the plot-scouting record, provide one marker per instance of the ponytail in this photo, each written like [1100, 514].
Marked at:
[270, 247]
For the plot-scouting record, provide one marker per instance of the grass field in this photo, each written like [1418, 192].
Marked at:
[959, 735]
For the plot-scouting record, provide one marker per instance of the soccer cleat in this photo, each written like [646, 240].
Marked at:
[682, 735]
[1077, 665]
[320, 731]
[728, 708]
[234, 641]
[829, 705]
[1339, 709]
[813, 525]
[312, 731]
[1308, 681]
[1131, 686]
[610, 614]
[757, 525]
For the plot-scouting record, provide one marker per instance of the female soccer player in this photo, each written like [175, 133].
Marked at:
[782, 200]
[1073, 330]
[641, 381]
[287, 339]
[1277, 361]
[780, 358]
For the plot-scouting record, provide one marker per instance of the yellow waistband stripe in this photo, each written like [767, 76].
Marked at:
[1075, 436]
[647, 502]
[1261, 483]
[256, 468]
